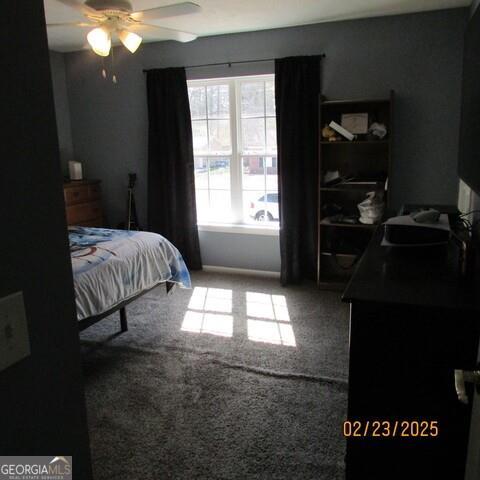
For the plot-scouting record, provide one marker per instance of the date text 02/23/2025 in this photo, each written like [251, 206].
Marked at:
[391, 428]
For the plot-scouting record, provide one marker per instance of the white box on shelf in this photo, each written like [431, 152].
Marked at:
[342, 131]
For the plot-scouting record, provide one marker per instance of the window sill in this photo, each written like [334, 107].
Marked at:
[239, 228]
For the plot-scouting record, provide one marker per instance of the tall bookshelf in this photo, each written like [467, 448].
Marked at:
[366, 164]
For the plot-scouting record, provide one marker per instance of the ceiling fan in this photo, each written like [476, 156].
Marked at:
[110, 17]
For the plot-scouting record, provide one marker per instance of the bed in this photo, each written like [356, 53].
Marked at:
[112, 268]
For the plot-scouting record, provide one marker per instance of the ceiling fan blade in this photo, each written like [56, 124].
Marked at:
[167, 11]
[81, 7]
[73, 24]
[168, 32]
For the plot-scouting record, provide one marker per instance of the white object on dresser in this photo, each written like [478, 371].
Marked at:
[75, 170]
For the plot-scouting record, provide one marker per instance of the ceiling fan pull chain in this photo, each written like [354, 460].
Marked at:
[114, 77]
[104, 71]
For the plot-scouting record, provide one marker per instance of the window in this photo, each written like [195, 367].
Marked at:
[235, 149]
[212, 145]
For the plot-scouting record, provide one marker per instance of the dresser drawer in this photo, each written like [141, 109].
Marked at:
[74, 195]
[94, 191]
[78, 214]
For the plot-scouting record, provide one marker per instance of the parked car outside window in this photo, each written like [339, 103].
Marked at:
[265, 208]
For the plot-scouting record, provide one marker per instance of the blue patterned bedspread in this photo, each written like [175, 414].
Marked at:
[110, 266]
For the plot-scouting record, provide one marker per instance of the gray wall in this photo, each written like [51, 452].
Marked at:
[474, 6]
[62, 109]
[474, 198]
[42, 399]
[418, 55]
[254, 252]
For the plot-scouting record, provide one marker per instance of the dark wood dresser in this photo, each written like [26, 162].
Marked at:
[414, 319]
[83, 203]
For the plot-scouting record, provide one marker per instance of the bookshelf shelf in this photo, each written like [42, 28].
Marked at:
[356, 142]
[326, 222]
[359, 101]
[353, 186]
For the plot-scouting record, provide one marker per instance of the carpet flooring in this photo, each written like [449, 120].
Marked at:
[238, 378]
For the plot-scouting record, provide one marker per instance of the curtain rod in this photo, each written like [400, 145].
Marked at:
[322, 55]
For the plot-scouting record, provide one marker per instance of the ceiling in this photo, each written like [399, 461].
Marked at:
[230, 16]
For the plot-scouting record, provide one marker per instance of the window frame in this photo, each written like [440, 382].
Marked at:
[236, 192]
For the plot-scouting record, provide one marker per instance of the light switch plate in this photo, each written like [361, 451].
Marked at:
[14, 338]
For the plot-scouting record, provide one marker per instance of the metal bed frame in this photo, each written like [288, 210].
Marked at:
[89, 321]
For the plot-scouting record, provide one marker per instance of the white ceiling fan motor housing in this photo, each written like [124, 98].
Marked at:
[123, 6]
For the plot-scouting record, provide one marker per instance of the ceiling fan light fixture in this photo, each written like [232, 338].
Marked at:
[130, 40]
[100, 41]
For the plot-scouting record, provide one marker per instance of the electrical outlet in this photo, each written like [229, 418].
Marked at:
[14, 339]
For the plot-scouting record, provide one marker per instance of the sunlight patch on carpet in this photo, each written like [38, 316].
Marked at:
[207, 312]
[271, 319]
[268, 319]
[203, 322]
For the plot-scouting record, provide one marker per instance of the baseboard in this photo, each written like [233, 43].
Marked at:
[241, 271]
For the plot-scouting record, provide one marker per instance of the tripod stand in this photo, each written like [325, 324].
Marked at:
[132, 219]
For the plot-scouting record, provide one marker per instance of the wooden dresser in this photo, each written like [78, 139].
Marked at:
[83, 203]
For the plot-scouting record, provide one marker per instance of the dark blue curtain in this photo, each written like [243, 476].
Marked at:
[171, 178]
[297, 90]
